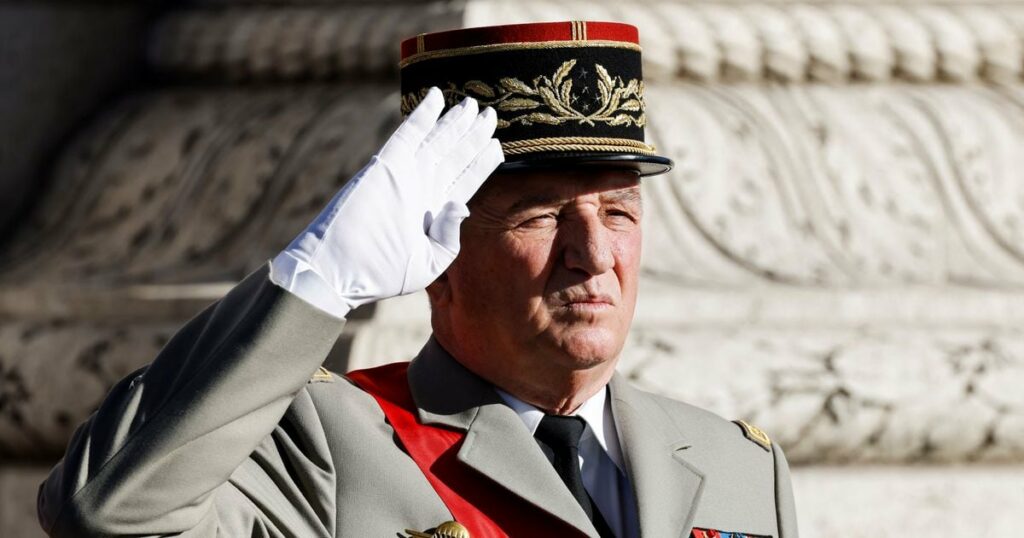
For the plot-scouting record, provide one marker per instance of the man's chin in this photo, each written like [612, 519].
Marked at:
[588, 348]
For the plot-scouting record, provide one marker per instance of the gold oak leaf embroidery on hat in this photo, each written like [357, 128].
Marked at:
[549, 101]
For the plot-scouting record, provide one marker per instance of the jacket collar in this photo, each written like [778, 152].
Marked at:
[497, 443]
[667, 487]
[499, 446]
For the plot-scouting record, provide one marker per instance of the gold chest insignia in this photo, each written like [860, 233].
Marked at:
[322, 375]
[448, 529]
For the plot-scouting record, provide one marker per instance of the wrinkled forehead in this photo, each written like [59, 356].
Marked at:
[512, 191]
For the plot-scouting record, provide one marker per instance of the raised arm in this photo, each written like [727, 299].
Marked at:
[158, 456]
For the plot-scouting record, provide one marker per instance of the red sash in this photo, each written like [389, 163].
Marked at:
[485, 508]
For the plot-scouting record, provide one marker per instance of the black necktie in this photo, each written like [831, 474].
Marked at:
[562, 436]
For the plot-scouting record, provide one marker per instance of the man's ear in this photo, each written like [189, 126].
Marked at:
[440, 291]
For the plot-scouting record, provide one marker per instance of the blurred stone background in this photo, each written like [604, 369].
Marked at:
[838, 256]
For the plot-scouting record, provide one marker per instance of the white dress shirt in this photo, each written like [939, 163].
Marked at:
[601, 463]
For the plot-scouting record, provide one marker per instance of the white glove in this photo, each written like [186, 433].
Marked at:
[394, 227]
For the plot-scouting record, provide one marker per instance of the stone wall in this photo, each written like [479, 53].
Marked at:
[61, 61]
[837, 257]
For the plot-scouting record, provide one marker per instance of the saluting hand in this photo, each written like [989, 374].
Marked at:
[394, 227]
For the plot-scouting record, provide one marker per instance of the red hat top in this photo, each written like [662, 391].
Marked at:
[494, 36]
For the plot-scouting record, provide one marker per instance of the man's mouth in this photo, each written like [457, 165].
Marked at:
[589, 303]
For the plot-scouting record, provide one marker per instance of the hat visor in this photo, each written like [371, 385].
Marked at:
[644, 165]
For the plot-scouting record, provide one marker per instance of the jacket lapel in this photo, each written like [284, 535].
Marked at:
[497, 443]
[667, 488]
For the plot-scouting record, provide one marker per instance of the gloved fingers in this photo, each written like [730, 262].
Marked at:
[465, 151]
[449, 129]
[473, 177]
[444, 231]
[415, 128]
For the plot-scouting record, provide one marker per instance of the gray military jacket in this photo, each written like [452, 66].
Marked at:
[231, 432]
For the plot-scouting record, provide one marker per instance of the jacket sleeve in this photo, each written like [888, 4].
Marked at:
[160, 454]
[785, 507]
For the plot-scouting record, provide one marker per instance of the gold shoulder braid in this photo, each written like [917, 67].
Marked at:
[755, 434]
[551, 101]
[575, 143]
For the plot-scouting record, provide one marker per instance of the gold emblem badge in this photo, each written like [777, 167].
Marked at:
[755, 434]
[448, 529]
[322, 375]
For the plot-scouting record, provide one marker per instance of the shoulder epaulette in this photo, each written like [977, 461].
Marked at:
[755, 435]
[322, 375]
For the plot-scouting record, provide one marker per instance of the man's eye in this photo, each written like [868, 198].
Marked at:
[618, 213]
[540, 220]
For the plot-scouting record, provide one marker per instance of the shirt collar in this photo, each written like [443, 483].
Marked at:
[595, 411]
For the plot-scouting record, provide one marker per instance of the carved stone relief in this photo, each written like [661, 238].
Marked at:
[891, 195]
[190, 183]
[54, 374]
[705, 40]
[839, 262]
[847, 185]
[827, 394]
[891, 501]
[293, 42]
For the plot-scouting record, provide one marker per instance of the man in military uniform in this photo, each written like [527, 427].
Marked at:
[511, 421]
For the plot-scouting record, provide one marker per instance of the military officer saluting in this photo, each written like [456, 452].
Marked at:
[511, 193]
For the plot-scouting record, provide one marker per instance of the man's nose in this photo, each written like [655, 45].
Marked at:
[587, 245]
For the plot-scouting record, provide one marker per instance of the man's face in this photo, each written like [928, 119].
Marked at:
[547, 272]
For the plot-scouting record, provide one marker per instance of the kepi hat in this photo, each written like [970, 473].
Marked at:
[567, 94]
